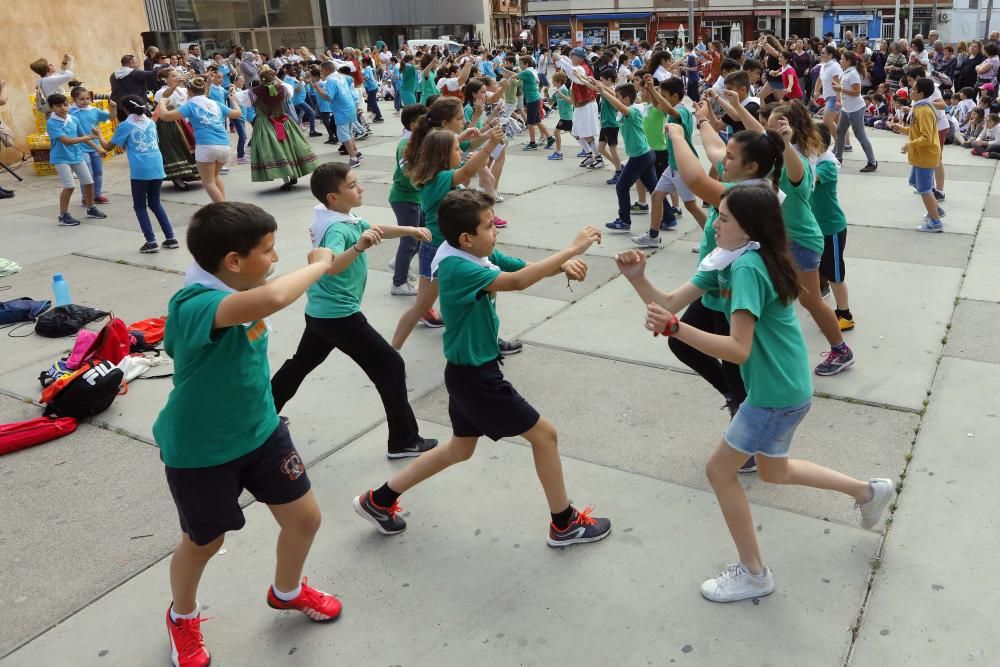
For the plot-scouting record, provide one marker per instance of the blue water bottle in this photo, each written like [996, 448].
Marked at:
[60, 288]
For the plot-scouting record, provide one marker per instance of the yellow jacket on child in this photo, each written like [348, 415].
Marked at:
[924, 148]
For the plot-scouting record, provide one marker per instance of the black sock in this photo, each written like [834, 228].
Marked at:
[383, 496]
[846, 313]
[653, 233]
[561, 519]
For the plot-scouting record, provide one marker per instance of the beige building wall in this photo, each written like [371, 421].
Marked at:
[97, 32]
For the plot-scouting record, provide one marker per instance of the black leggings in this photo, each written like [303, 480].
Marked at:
[381, 363]
[722, 375]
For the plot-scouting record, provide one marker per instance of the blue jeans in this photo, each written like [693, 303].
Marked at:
[96, 165]
[641, 168]
[408, 214]
[372, 96]
[397, 101]
[306, 113]
[147, 194]
[240, 126]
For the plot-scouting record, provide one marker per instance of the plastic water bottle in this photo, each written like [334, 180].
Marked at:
[60, 288]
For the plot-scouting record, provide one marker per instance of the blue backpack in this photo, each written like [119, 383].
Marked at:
[21, 310]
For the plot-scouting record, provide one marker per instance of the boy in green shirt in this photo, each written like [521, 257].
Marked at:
[219, 432]
[480, 401]
[607, 140]
[533, 105]
[564, 103]
[333, 310]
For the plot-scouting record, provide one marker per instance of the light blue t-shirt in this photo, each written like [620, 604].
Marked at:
[298, 97]
[369, 78]
[218, 95]
[224, 71]
[325, 105]
[89, 118]
[209, 123]
[142, 146]
[61, 153]
[341, 90]
[486, 67]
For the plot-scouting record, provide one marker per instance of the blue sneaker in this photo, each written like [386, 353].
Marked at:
[617, 225]
[668, 225]
[834, 362]
[556, 156]
[583, 153]
[938, 195]
[931, 226]
[640, 208]
[614, 179]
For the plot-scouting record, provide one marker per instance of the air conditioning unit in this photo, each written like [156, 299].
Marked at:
[763, 23]
[943, 17]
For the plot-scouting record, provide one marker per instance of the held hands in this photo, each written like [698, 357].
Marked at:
[369, 238]
[676, 131]
[785, 131]
[700, 112]
[631, 263]
[575, 269]
[732, 97]
[322, 256]
[494, 137]
[420, 233]
[658, 318]
[588, 236]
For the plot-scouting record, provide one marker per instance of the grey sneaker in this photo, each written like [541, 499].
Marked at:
[932, 227]
[66, 220]
[871, 511]
[94, 212]
[647, 241]
[736, 583]
[835, 362]
[386, 519]
[406, 289]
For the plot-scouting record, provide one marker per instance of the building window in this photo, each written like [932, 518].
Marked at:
[559, 34]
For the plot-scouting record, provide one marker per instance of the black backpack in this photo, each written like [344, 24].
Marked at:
[90, 391]
[66, 320]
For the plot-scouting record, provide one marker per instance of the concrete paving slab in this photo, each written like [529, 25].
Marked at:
[981, 277]
[929, 604]
[973, 331]
[486, 577]
[81, 515]
[664, 424]
[899, 245]
[899, 208]
[29, 239]
[887, 149]
[895, 170]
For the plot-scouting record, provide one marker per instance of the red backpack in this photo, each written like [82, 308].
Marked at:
[25, 434]
[112, 343]
[151, 329]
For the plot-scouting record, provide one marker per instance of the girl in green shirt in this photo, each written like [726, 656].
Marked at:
[754, 273]
[408, 85]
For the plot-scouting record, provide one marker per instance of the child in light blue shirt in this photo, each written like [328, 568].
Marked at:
[371, 90]
[66, 156]
[90, 118]
[137, 135]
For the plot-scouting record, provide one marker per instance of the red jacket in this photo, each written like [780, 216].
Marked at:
[581, 93]
[356, 74]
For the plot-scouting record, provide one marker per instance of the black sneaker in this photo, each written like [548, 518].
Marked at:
[171, 244]
[149, 248]
[582, 528]
[676, 211]
[386, 519]
[416, 449]
[508, 347]
[749, 466]
[94, 212]
[316, 134]
[870, 167]
[938, 195]
[639, 208]
[66, 220]
[550, 142]
[597, 163]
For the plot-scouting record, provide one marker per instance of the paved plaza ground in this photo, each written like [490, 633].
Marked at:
[88, 522]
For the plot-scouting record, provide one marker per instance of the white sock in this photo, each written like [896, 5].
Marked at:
[287, 597]
[594, 149]
[583, 144]
[194, 614]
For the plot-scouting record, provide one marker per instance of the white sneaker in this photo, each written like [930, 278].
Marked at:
[736, 583]
[406, 289]
[224, 170]
[497, 197]
[647, 241]
[871, 511]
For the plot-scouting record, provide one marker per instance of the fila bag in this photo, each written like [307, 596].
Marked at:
[88, 391]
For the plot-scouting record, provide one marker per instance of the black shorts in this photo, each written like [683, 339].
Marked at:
[534, 111]
[208, 499]
[831, 264]
[661, 161]
[565, 125]
[609, 135]
[481, 402]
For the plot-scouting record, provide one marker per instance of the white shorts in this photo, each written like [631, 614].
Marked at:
[66, 171]
[212, 153]
[671, 182]
[586, 122]
[520, 102]
[508, 108]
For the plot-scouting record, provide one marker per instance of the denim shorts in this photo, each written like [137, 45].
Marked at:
[831, 103]
[805, 259]
[424, 258]
[922, 178]
[766, 431]
[344, 133]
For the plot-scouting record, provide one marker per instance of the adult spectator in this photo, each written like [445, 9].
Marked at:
[51, 81]
[995, 37]
[879, 59]
[127, 80]
[249, 67]
[152, 59]
[5, 135]
[194, 60]
[966, 74]
[987, 70]
[918, 56]
[948, 62]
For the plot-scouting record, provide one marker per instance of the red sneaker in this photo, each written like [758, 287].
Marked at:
[101, 199]
[315, 604]
[432, 319]
[499, 223]
[187, 648]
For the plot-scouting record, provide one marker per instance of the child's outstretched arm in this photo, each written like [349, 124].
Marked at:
[515, 281]
[694, 175]
[399, 231]
[463, 175]
[734, 348]
[632, 264]
[269, 298]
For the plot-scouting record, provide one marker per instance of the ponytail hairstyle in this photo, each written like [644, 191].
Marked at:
[470, 90]
[133, 104]
[855, 61]
[831, 51]
[198, 86]
[656, 60]
[758, 212]
[434, 155]
[442, 110]
[765, 149]
[804, 133]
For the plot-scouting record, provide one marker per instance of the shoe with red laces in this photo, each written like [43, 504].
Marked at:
[386, 519]
[315, 604]
[581, 528]
[187, 648]
[499, 223]
[432, 319]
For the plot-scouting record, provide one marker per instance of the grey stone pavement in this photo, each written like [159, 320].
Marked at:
[88, 522]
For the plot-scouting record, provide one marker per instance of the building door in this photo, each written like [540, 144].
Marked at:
[632, 32]
[888, 28]
[245, 38]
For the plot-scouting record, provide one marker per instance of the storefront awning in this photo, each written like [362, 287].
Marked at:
[613, 17]
[726, 14]
[551, 17]
[768, 12]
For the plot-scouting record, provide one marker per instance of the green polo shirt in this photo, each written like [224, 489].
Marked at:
[332, 297]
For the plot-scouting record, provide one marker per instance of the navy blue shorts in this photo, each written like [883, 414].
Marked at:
[832, 266]
[482, 402]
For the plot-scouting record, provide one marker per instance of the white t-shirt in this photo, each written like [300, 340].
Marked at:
[942, 117]
[174, 101]
[385, 57]
[53, 82]
[827, 71]
[850, 103]
[662, 73]
[451, 84]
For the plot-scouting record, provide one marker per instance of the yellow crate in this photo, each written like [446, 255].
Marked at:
[39, 141]
[44, 169]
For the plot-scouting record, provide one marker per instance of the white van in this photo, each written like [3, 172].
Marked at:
[442, 44]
